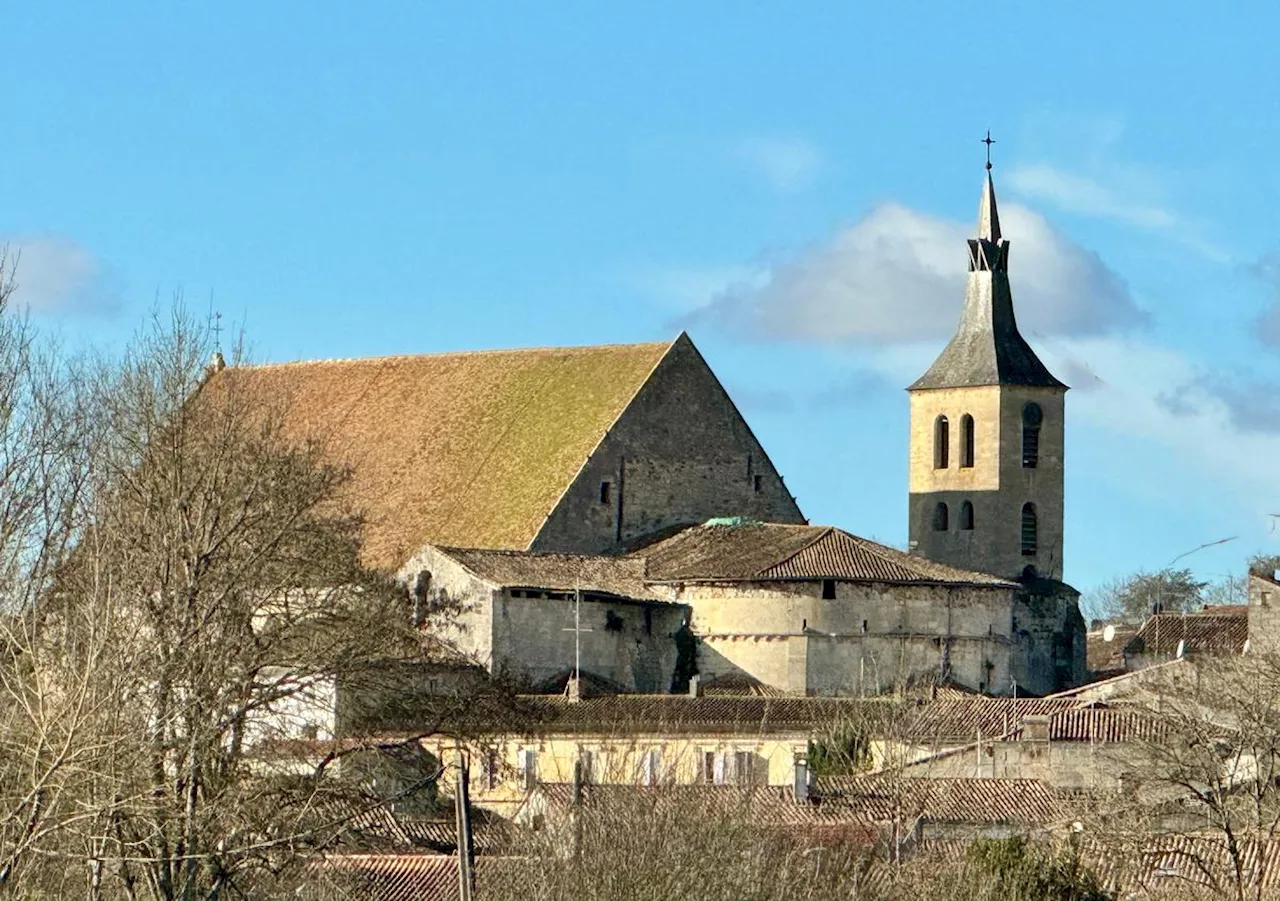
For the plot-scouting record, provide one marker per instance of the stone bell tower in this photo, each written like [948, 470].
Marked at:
[987, 432]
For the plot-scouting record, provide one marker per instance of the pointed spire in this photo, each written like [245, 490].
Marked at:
[988, 215]
[987, 348]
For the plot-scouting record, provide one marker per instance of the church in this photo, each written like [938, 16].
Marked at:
[605, 519]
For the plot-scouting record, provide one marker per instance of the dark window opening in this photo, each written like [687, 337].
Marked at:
[757, 483]
[966, 441]
[1032, 417]
[940, 517]
[612, 622]
[941, 443]
[966, 517]
[1029, 530]
[606, 492]
[828, 589]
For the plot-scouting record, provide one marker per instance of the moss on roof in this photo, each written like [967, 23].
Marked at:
[465, 449]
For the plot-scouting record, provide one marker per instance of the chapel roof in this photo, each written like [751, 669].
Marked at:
[740, 551]
[987, 348]
[615, 575]
[469, 449]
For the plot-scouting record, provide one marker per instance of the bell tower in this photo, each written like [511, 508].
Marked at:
[985, 473]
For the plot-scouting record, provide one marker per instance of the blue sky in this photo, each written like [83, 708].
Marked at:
[792, 183]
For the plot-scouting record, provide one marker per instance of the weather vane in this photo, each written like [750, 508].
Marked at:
[988, 140]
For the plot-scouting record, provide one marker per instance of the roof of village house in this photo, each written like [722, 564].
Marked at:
[739, 550]
[877, 798]
[1103, 656]
[622, 715]
[410, 877]
[613, 575]
[1216, 630]
[468, 449]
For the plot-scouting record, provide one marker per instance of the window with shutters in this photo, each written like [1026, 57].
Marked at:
[1032, 417]
[1030, 537]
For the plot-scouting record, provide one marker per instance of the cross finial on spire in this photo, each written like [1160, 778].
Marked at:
[988, 140]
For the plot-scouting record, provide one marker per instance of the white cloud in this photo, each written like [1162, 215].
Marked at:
[1079, 194]
[898, 276]
[788, 165]
[56, 275]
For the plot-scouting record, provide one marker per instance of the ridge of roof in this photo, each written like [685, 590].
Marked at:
[492, 351]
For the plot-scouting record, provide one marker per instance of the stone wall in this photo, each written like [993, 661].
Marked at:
[681, 453]
[629, 642]
[868, 639]
[997, 485]
[529, 637]
[1264, 614]
[1049, 636]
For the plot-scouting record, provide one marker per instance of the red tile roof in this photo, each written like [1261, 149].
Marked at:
[751, 551]
[1211, 632]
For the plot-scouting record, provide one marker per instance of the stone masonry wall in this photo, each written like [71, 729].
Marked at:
[866, 640]
[681, 453]
[997, 485]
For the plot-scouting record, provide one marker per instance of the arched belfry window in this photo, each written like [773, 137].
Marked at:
[966, 517]
[1032, 416]
[941, 443]
[966, 441]
[940, 518]
[1030, 529]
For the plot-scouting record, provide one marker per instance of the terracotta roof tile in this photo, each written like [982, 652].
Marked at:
[622, 576]
[467, 449]
[1013, 801]
[1199, 633]
[749, 551]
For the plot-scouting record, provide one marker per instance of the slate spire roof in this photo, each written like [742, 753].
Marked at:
[987, 348]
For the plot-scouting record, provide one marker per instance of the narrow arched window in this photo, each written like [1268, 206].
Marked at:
[966, 441]
[940, 517]
[941, 443]
[966, 517]
[1030, 529]
[1032, 416]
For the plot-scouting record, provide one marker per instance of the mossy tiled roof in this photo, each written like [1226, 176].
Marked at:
[465, 449]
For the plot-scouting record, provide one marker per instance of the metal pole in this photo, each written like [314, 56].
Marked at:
[466, 847]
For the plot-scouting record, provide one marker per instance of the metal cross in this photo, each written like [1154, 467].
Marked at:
[988, 140]
[577, 631]
[217, 331]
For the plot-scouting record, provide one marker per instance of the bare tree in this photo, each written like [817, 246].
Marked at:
[205, 593]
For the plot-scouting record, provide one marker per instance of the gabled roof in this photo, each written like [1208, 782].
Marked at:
[739, 551]
[468, 449]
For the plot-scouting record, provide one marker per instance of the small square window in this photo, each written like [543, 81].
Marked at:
[828, 589]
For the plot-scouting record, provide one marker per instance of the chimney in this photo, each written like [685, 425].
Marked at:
[574, 689]
[802, 780]
[695, 686]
